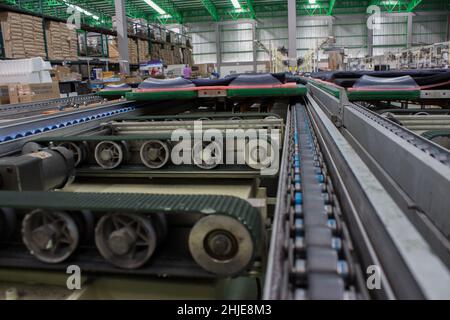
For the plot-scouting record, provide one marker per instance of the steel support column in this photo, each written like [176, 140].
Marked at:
[448, 27]
[330, 27]
[122, 37]
[218, 49]
[409, 29]
[292, 31]
[254, 47]
[370, 42]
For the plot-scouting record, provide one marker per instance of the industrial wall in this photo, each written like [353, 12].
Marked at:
[350, 31]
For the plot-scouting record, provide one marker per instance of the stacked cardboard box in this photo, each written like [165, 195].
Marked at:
[187, 56]
[8, 94]
[63, 74]
[154, 55]
[166, 54]
[129, 24]
[113, 49]
[38, 92]
[203, 69]
[61, 41]
[133, 49]
[143, 50]
[177, 55]
[21, 93]
[162, 52]
[22, 35]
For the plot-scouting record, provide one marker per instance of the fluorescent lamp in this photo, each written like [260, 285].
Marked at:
[236, 4]
[79, 9]
[155, 6]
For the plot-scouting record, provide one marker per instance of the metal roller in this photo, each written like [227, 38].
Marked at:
[79, 150]
[155, 154]
[259, 155]
[51, 236]
[7, 222]
[207, 155]
[272, 118]
[126, 240]
[221, 245]
[109, 154]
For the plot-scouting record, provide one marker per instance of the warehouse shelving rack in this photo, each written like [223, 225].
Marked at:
[89, 25]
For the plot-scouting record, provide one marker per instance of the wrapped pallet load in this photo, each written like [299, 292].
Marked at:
[61, 41]
[23, 35]
[113, 49]
[143, 51]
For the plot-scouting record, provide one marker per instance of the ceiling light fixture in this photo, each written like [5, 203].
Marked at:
[155, 7]
[236, 4]
[79, 9]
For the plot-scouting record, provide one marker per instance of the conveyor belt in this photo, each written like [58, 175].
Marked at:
[188, 216]
[14, 134]
[251, 91]
[318, 263]
[113, 93]
[16, 110]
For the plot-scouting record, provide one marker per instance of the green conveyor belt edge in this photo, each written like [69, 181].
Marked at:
[231, 93]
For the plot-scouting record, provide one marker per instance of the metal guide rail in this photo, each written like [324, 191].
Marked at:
[39, 106]
[379, 235]
[14, 134]
[421, 143]
[414, 169]
[308, 233]
[332, 106]
[206, 116]
[201, 236]
[135, 146]
[385, 177]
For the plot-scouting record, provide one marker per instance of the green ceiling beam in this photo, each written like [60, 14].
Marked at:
[392, 5]
[87, 5]
[413, 4]
[331, 7]
[170, 8]
[251, 9]
[211, 9]
[316, 9]
[58, 9]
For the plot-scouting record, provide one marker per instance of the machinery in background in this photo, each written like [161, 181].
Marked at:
[338, 205]
[435, 56]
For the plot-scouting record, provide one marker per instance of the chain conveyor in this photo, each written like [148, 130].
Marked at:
[102, 188]
[314, 243]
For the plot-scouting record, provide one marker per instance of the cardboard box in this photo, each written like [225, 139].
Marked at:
[23, 35]
[9, 94]
[204, 69]
[63, 74]
[38, 92]
[62, 42]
